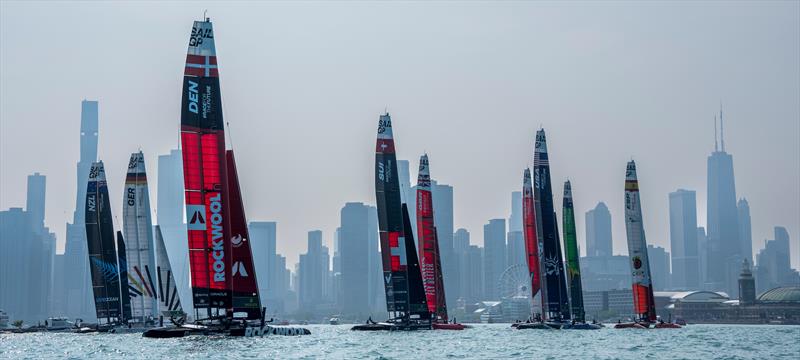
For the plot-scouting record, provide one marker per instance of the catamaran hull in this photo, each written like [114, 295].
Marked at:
[268, 330]
[391, 327]
[534, 326]
[448, 327]
[249, 331]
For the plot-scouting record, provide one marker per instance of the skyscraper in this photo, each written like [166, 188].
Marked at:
[263, 237]
[169, 216]
[27, 249]
[311, 273]
[494, 256]
[443, 218]
[353, 246]
[774, 268]
[724, 257]
[77, 288]
[515, 249]
[598, 231]
[745, 230]
[515, 219]
[461, 255]
[35, 200]
[659, 267]
[683, 241]
[170, 190]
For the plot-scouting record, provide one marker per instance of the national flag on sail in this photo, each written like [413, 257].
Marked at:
[201, 65]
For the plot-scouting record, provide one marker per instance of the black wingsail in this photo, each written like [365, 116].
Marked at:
[418, 304]
[100, 244]
[554, 290]
[122, 259]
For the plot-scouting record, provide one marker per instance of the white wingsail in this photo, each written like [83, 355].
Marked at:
[137, 227]
[169, 299]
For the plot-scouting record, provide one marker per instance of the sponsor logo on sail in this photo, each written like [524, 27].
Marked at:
[236, 241]
[217, 240]
[195, 214]
[239, 269]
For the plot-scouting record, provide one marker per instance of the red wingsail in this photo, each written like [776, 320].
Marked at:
[429, 246]
[245, 296]
[205, 175]
[531, 242]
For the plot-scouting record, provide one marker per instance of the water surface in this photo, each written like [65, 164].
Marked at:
[495, 341]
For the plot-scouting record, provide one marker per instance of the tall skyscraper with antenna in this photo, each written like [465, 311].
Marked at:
[77, 286]
[723, 253]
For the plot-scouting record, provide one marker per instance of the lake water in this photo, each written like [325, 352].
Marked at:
[483, 341]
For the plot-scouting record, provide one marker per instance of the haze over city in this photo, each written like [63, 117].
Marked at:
[303, 85]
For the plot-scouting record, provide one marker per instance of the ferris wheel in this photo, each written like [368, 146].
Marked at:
[515, 282]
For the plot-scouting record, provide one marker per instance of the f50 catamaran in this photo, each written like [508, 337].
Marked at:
[224, 291]
[402, 278]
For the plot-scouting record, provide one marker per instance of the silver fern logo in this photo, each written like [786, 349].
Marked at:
[552, 266]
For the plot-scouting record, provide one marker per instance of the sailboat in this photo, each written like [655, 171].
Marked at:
[225, 295]
[137, 227]
[406, 302]
[430, 258]
[643, 301]
[533, 247]
[555, 301]
[103, 255]
[573, 264]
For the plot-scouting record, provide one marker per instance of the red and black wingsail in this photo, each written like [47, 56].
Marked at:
[394, 234]
[244, 286]
[205, 174]
[429, 245]
[531, 241]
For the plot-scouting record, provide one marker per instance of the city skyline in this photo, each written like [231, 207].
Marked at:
[271, 195]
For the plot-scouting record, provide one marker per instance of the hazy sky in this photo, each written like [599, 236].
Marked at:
[304, 82]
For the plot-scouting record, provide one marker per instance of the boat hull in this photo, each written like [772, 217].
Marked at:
[385, 326]
[582, 326]
[448, 327]
[667, 326]
[535, 326]
[631, 326]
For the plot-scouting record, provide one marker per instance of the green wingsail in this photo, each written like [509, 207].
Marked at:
[572, 255]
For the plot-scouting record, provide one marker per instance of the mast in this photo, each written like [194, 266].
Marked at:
[572, 255]
[167, 290]
[205, 175]
[137, 227]
[123, 277]
[554, 291]
[391, 225]
[244, 285]
[429, 245]
[100, 244]
[643, 302]
[532, 245]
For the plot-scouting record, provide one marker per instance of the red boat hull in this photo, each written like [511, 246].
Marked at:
[667, 326]
[448, 326]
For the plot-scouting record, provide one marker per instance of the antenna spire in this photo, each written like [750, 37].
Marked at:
[721, 133]
[716, 146]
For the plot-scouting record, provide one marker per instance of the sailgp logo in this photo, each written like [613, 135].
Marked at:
[193, 97]
[217, 251]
